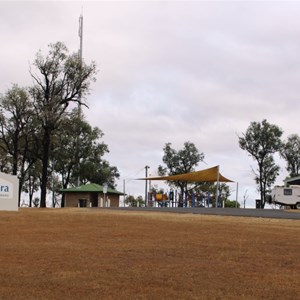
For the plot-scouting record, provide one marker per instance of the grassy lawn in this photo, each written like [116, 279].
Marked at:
[104, 254]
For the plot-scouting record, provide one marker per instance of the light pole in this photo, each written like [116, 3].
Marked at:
[237, 192]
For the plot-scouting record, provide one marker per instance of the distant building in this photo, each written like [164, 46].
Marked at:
[91, 195]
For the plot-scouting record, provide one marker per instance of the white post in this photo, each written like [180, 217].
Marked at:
[105, 187]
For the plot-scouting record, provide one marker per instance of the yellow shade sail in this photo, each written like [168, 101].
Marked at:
[207, 175]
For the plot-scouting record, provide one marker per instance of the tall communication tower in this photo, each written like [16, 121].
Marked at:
[80, 33]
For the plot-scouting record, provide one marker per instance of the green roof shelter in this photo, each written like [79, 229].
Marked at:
[91, 195]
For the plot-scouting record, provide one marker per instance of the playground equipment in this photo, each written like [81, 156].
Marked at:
[176, 199]
[209, 175]
[162, 199]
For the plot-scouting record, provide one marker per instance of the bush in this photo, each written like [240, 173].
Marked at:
[232, 204]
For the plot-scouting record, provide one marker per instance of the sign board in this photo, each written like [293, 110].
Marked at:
[105, 187]
[9, 191]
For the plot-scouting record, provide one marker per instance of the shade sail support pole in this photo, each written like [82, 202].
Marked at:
[217, 192]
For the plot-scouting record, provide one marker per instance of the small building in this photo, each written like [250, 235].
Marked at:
[91, 195]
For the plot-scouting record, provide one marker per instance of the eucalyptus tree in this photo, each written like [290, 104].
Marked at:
[291, 153]
[77, 141]
[32, 181]
[17, 131]
[178, 162]
[269, 172]
[58, 79]
[14, 115]
[5, 164]
[98, 170]
[261, 140]
[134, 201]
[65, 151]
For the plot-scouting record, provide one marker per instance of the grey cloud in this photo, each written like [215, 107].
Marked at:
[170, 72]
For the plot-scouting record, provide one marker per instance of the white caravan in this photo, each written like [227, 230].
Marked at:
[286, 196]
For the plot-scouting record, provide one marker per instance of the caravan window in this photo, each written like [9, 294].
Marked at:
[287, 192]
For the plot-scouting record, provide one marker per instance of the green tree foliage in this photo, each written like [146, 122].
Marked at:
[41, 139]
[65, 154]
[179, 162]
[59, 78]
[96, 169]
[269, 173]
[4, 158]
[17, 131]
[74, 130]
[32, 180]
[232, 204]
[291, 153]
[134, 202]
[261, 141]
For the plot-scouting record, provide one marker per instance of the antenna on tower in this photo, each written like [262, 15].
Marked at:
[80, 33]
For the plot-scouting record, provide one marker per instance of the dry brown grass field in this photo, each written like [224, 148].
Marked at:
[105, 254]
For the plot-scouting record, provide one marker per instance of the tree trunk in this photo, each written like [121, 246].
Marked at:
[181, 197]
[62, 200]
[45, 160]
[15, 153]
[20, 192]
[65, 185]
[30, 199]
[261, 186]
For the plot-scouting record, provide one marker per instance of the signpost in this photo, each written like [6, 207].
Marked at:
[105, 187]
[9, 192]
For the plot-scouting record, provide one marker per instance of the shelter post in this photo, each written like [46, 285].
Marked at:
[217, 192]
[146, 186]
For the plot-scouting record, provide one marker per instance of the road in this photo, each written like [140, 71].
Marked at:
[238, 212]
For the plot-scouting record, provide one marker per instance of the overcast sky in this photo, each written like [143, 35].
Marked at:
[170, 72]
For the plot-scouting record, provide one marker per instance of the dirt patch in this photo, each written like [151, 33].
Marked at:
[105, 254]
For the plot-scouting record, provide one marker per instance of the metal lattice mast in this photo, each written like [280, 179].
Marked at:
[80, 33]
